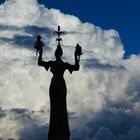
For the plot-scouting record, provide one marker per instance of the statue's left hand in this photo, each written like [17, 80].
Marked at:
[40, 51]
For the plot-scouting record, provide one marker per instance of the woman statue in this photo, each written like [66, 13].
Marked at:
[58, 126]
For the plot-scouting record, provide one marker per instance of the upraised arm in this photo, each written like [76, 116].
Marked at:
[43, 63]
[76, 66]
[40, 62]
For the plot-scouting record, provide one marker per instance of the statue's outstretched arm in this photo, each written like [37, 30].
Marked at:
[43, 63]
[40, 61]
[76, 66]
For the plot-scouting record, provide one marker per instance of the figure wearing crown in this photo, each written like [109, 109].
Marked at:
[58, 126]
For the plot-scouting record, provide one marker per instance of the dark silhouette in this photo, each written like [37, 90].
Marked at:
[38, 44]
[78, 50]
[58, 32]
[59, 127]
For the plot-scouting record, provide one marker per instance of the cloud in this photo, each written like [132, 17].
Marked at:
[104, 134]
[103, 97]
[23, 124]
[133, 134]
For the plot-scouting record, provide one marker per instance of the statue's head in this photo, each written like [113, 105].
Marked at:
[58, 52]
[38, 37]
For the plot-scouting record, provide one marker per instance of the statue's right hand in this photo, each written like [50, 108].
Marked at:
[40, 51]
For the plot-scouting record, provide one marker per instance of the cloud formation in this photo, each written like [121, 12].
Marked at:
[104, 104]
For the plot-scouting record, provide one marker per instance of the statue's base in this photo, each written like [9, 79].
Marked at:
[58, 138]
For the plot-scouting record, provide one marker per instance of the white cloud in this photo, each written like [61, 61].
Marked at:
[104, 134]
[105, 79]
[23, 124]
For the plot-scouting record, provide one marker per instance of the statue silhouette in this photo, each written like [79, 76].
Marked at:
[59, 126]
[38, 44]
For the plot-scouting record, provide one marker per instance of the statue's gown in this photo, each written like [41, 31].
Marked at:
[58, 115]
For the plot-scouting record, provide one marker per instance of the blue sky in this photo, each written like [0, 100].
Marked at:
[120, 15]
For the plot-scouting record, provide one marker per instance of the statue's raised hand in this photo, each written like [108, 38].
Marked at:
[78, 51]
[40, 51]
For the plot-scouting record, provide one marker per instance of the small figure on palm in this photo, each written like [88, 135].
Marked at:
[38, 45]
[78, 51]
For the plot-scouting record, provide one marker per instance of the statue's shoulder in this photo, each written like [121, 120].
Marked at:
[66, 63]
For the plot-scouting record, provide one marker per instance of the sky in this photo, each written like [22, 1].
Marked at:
[122, 16]
[103, 96]
[119, 15]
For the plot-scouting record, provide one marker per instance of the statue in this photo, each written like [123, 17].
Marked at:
[59, 126]
[78, 51]
[38, 44]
